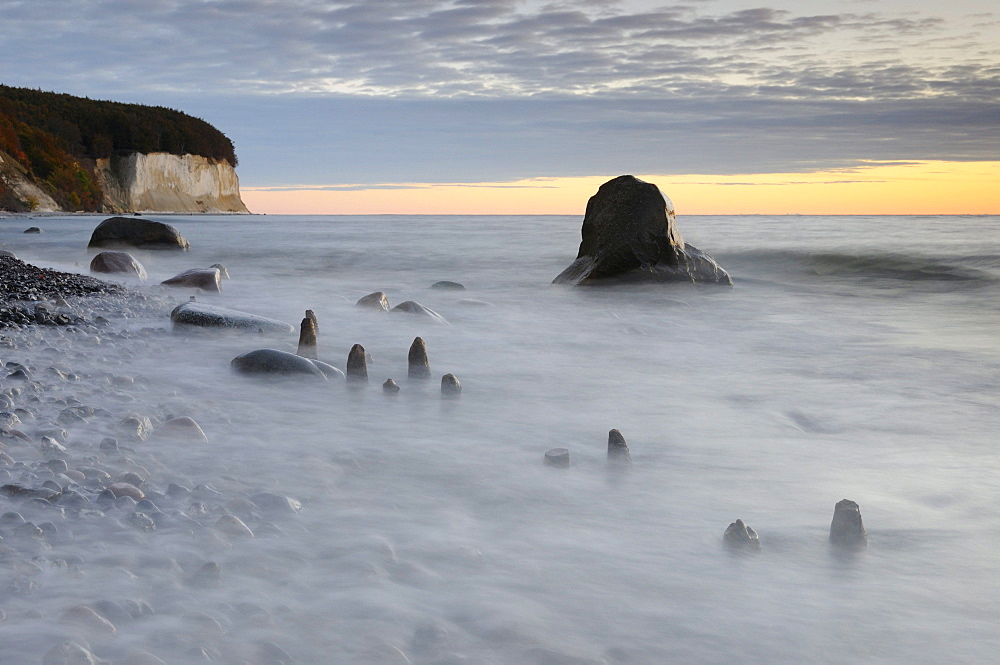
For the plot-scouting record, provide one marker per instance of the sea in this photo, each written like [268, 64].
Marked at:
[855, 357]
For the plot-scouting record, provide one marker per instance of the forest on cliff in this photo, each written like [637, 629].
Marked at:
[54, 139]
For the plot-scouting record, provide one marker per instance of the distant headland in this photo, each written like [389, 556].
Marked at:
[61, 153]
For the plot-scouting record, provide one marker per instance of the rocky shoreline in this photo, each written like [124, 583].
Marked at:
[29, 294]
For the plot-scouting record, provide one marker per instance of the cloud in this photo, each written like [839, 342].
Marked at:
[463, 90]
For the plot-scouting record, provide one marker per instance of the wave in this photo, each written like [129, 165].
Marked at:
[980, 269]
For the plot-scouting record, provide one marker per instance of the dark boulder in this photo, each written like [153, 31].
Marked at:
[630, 232]
[117, 262]
[132, 232]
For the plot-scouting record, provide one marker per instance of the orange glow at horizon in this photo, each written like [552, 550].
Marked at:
[873, 188]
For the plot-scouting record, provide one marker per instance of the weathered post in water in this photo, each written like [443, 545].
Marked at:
[419, 366]
[847, 529]
[617, 448]
[308, 333]
[357, 367]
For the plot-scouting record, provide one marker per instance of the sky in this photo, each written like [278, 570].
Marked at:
[521, 107]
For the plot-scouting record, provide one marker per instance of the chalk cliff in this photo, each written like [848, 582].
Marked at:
[162, 182]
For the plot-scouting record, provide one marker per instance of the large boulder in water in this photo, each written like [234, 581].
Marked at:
[137, 232]
[630, 232]
[209, 316]
[117, 262]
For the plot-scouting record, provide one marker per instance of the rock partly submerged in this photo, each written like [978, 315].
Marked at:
[272, 361]
[200, 315]
[113, 262]
[137, 232]
[630, 233]
[415, 308]
[206, 279]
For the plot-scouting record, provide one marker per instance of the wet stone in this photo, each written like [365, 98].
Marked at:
[618, 448]
[450, 386]
[847, 530]
[557, 457]
[377, 301]
[69, 653]
[357, 367]
[419, 366]
[390, 387]
[741, 536]
[448, 285]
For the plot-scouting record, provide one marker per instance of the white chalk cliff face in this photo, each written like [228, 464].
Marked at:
[161, 182]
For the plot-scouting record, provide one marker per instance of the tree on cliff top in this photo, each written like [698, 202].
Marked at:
[92, 129]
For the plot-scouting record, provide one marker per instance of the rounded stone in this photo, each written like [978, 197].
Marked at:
[450, 386]
[377, 301]
[181, 428]
[112, 262]
[272, 361]
[390, 386]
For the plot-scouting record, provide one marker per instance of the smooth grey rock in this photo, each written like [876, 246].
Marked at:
[182, 428]
[32, 229]
[376, 300]
[741, 536]
[450, 386]
[419, 366]
[133, 232]
[618, 448]
[223, 273]
[390, 386]
[847, 529]
[412, 307]
[629, 232]
[272, 361]
[69, 653]
[448, 286]
[113, 262]
[329, 370]
[209, 316]
[206, 279]
[558, 457]
[357, 366]
[135, 428]
[307, 337]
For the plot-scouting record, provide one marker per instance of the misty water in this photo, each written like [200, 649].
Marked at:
[855, 357]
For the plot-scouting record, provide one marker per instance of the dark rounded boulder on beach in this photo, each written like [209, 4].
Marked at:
[113, 262]
[630, 233]
[137, 232]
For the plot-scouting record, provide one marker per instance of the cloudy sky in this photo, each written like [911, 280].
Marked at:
[347, 99]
